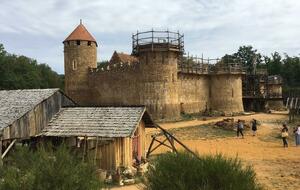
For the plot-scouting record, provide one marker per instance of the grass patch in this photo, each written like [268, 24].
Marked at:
[202, 132]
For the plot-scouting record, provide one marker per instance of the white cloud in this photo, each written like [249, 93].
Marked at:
[212, 27]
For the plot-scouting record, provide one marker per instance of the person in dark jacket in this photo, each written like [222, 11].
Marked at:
[284, 135]
[240, 128]
[254, 127]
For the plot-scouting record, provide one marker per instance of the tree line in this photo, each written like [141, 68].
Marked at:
[21, 72]
[276, 64]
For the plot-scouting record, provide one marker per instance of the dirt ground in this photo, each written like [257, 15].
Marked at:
[276, 167]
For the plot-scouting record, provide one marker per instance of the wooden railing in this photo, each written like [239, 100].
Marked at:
[152, 38]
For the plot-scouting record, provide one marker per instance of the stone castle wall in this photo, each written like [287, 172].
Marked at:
[193, 92]
[154, 82]
[165, 95]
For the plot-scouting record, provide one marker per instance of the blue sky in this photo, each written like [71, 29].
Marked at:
[36, 28]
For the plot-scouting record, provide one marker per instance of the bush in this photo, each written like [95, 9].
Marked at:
[46, 169]
[186, 172]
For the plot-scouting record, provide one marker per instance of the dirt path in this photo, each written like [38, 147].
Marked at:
[276, 167]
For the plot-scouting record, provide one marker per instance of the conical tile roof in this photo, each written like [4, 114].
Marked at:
[80, 33]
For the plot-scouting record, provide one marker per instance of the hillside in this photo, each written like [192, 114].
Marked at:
[21, 72]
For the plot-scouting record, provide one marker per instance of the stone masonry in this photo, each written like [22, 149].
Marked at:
[150, 76]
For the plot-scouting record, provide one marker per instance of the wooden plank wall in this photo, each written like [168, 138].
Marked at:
[34, 121]
[142, 134]
[105, 158]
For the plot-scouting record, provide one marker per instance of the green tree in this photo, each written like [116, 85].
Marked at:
[274, 63]
[21, 72]
[249, 57]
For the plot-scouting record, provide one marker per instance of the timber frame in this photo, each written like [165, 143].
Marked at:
[171, 139]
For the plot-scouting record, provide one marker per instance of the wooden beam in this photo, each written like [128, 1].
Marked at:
[185, 147]
[8, 148]
[1, 163]
[163, 143]
[171, 141]
[160, 143]
[149, 149]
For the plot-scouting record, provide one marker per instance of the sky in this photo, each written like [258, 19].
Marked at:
[36, 28]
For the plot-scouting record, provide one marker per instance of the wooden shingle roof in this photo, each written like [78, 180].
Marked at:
[15, 103]
[97, 121]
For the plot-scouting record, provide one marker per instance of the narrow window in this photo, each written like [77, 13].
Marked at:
[232, 92]
[74, 65]
[89, 43]
[78, 42]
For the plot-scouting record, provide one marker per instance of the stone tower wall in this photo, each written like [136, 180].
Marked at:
[78, 60]
[159, 83]
[226, 93]
[193, 92]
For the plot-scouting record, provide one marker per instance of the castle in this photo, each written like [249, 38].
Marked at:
[156, 75]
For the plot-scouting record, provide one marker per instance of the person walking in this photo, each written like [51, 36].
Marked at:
[284, 135]
[240, 127]
[254, 127]
[297, 135]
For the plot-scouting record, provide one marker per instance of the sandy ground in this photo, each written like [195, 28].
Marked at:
[276, 167]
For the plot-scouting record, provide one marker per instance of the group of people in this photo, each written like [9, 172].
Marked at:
[240, 128]
[284, 132]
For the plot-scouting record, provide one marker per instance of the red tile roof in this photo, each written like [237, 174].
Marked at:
[80, 33]
[123, 57]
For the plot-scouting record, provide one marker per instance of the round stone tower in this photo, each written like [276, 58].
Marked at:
[80, 54]
[226, 88]
[158, 53]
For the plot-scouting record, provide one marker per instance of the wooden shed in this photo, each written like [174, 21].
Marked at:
[25, 113]
[113, 136]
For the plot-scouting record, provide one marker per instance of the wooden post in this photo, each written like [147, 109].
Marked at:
[152, 39]
[84, 148]
[1, 162]
[95, 158]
